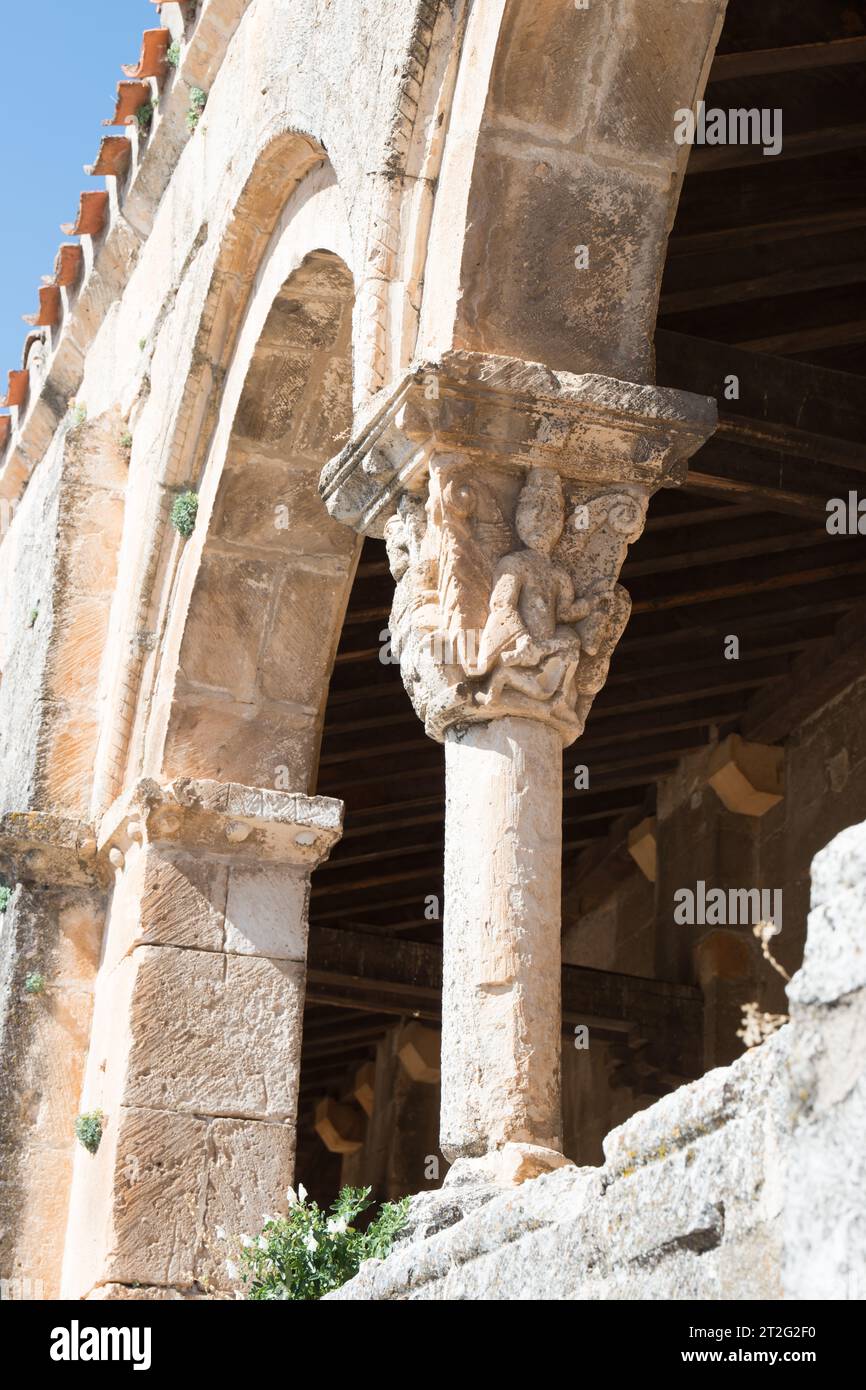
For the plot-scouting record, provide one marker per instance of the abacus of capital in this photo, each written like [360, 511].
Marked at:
[508, 495]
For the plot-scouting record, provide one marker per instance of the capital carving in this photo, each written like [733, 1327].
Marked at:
[508, 495]
[506, 598]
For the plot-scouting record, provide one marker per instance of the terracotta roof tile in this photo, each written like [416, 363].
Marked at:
[115, 152]
[92, 212]
[131, 96]
[49, 308]
[17, 392]
[154, 46]
[67, 266]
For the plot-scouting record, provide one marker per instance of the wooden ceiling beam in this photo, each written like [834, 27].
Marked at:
[410, 972]
[800, 57]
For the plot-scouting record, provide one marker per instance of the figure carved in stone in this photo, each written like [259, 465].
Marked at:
[492, 617]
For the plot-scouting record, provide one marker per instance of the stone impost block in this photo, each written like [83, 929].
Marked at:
[503, 410]
[340, 1127]
[225, 820]
[40, 848]
[642, 846]
[364, 1088]
[419, 1051]
[748, 778]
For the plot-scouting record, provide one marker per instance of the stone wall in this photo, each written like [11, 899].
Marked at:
[747, 1184]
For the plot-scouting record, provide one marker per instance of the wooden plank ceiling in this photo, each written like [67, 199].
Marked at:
[765, 279]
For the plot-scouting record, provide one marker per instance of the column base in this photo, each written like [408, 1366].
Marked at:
[509, 1166]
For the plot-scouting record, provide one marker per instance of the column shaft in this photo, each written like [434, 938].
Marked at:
[501, 971]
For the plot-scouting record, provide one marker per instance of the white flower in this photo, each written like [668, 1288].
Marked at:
[231, 1270]
[266, 1219]
[292, 1197]
[337, 1225]
[310, 1241]
[220, 1233]
[263, 1244]
[245, 1242]
[302, 1193]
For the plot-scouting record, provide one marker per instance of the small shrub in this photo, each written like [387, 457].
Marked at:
[5, 895]
[142, 344]
[79, 412]
[34, 983]
[172, 57]
[34, 614]
[183, 513]
[88, 1130]
[197, 103]
[308, 1253]
[125, 441]
[144, 117]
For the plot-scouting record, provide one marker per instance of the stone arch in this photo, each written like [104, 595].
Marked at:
[533, 170]
[252, 616]
[290, 207]
[272, 583]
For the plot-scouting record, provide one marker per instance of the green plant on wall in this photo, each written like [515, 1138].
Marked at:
[309, 1252]
[5, 895]
[88, 1130]
[144, 117]
[197, 104]
[34, 983]
[183, 513]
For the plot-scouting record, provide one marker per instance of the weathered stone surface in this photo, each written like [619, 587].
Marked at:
[53, 933]
[250, 1168]
[834, 963]
[183, 903]
[746, 1184]
[241, 743]
[501, 951]
[301, 644]
[266, 913]
[158, 1186]
[232, 598]
[214, 1034]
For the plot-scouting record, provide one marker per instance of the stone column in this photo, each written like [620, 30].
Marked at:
[501, 962]
[194, 1058]
[508, 495]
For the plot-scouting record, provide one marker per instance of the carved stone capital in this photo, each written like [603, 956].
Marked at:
[508, 495]
[502, 411]
[223, 820]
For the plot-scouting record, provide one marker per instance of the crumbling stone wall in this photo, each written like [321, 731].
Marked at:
[747, 1184]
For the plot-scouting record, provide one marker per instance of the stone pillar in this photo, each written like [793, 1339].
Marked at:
[508, 495]
[501, 985]
[724, 967]
[50, 936]
[194, 1059]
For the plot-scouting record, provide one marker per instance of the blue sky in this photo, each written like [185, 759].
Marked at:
[61, 64]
